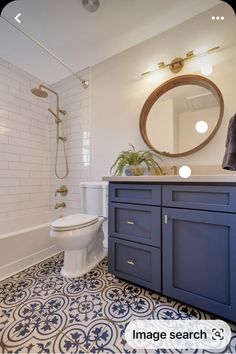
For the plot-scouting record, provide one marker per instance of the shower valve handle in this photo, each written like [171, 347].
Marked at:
[62, 190]
[63, 138]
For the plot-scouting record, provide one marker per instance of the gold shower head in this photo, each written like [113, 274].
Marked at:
[37, 91]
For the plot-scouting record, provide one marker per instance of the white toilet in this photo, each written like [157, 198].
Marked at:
[81, 236]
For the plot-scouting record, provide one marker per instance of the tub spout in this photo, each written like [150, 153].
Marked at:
[60, 205]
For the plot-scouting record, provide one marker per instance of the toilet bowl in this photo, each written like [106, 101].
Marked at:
[81, 236]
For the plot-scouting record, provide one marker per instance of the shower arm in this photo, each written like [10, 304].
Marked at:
[57, 119]
[55, 93]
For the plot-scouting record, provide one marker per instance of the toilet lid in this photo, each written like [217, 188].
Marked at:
[74, 221]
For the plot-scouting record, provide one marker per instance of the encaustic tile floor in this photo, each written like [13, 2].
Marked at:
[42, 312]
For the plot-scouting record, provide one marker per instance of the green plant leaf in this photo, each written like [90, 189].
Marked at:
[133, 157]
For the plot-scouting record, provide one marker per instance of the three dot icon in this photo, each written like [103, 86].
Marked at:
[217, 18]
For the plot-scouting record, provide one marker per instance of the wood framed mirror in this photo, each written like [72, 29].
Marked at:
[182, 115]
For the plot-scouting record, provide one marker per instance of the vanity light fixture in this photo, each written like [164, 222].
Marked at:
[177, 64]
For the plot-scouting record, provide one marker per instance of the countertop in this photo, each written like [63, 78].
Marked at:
[222, 178]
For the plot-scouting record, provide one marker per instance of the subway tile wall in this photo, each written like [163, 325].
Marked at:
[28, 143]
[24, 145]
[76, 101]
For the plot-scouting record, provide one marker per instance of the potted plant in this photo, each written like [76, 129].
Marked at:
[133, 162]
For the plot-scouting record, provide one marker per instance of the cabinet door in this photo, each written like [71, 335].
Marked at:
[199, 259]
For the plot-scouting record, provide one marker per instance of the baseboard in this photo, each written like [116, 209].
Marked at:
[26, 262]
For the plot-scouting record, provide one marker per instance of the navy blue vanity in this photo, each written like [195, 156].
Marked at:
[178, 239]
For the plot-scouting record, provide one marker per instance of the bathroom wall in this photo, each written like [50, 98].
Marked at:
[76, 101]
[118, 92]
[24, 144]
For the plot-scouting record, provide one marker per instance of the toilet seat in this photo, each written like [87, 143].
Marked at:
[73, 222]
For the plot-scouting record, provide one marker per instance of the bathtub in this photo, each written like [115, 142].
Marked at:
[25, 241]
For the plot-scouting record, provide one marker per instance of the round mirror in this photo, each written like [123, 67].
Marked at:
[182, 115]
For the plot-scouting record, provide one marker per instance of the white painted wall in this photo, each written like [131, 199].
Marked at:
[24, 145]
[118, 93]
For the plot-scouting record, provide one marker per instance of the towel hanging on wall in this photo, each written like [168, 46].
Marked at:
[229, 160]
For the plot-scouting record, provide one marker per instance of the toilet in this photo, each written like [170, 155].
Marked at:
[83, 237]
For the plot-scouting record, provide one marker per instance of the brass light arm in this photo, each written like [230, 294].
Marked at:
[177, 64]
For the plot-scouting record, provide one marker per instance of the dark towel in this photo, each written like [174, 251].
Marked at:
[229, 160]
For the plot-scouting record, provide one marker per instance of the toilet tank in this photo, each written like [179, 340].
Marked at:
[94, 198]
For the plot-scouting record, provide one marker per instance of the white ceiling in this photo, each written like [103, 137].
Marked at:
[81, 38]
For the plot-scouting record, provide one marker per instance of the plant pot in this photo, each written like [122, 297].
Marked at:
[134, 170]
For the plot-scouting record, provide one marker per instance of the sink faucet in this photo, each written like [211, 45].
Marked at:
[174, 168]
[60, 205]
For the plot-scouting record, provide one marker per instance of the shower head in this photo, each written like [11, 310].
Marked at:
[91, 5]
[37, 91]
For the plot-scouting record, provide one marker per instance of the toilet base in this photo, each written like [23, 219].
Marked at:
[76, 263]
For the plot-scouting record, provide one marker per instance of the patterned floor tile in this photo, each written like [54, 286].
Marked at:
[124, 301]
[97, 336]
[26, 323]
[59, 343]
[20, 291]
[50, 266]
[6, 317]
[121, 343]
[232, 344]
[48, 285]
[178, 312]
[51, 310]
[91, 282]
[84, 308]
[42, 312]
[5, 288]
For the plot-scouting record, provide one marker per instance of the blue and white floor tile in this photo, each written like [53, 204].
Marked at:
[42, 312]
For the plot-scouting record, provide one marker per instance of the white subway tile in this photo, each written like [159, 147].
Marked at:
[13, 173]
[4, 139]
[6, 182]
[14, 198]
[3, 164]
[9, 207]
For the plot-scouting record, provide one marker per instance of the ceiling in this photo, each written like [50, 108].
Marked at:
[81, 38]
[189, 98]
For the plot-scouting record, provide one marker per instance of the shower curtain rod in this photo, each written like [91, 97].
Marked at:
[84, 82]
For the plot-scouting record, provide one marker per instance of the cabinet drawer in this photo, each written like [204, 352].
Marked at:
[215, 198]
[134, 262]
[135, 193]
[139, 223]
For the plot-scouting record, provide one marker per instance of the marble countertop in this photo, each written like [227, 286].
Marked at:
[223, 178]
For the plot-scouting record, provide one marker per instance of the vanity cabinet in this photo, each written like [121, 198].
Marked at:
[176, 239]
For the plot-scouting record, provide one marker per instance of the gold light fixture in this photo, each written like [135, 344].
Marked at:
[177, 64]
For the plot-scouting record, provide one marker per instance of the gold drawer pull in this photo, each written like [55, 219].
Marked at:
[130, 222]
[131, 262]
[166, 219]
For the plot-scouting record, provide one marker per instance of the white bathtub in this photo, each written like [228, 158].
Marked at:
[25, 241]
